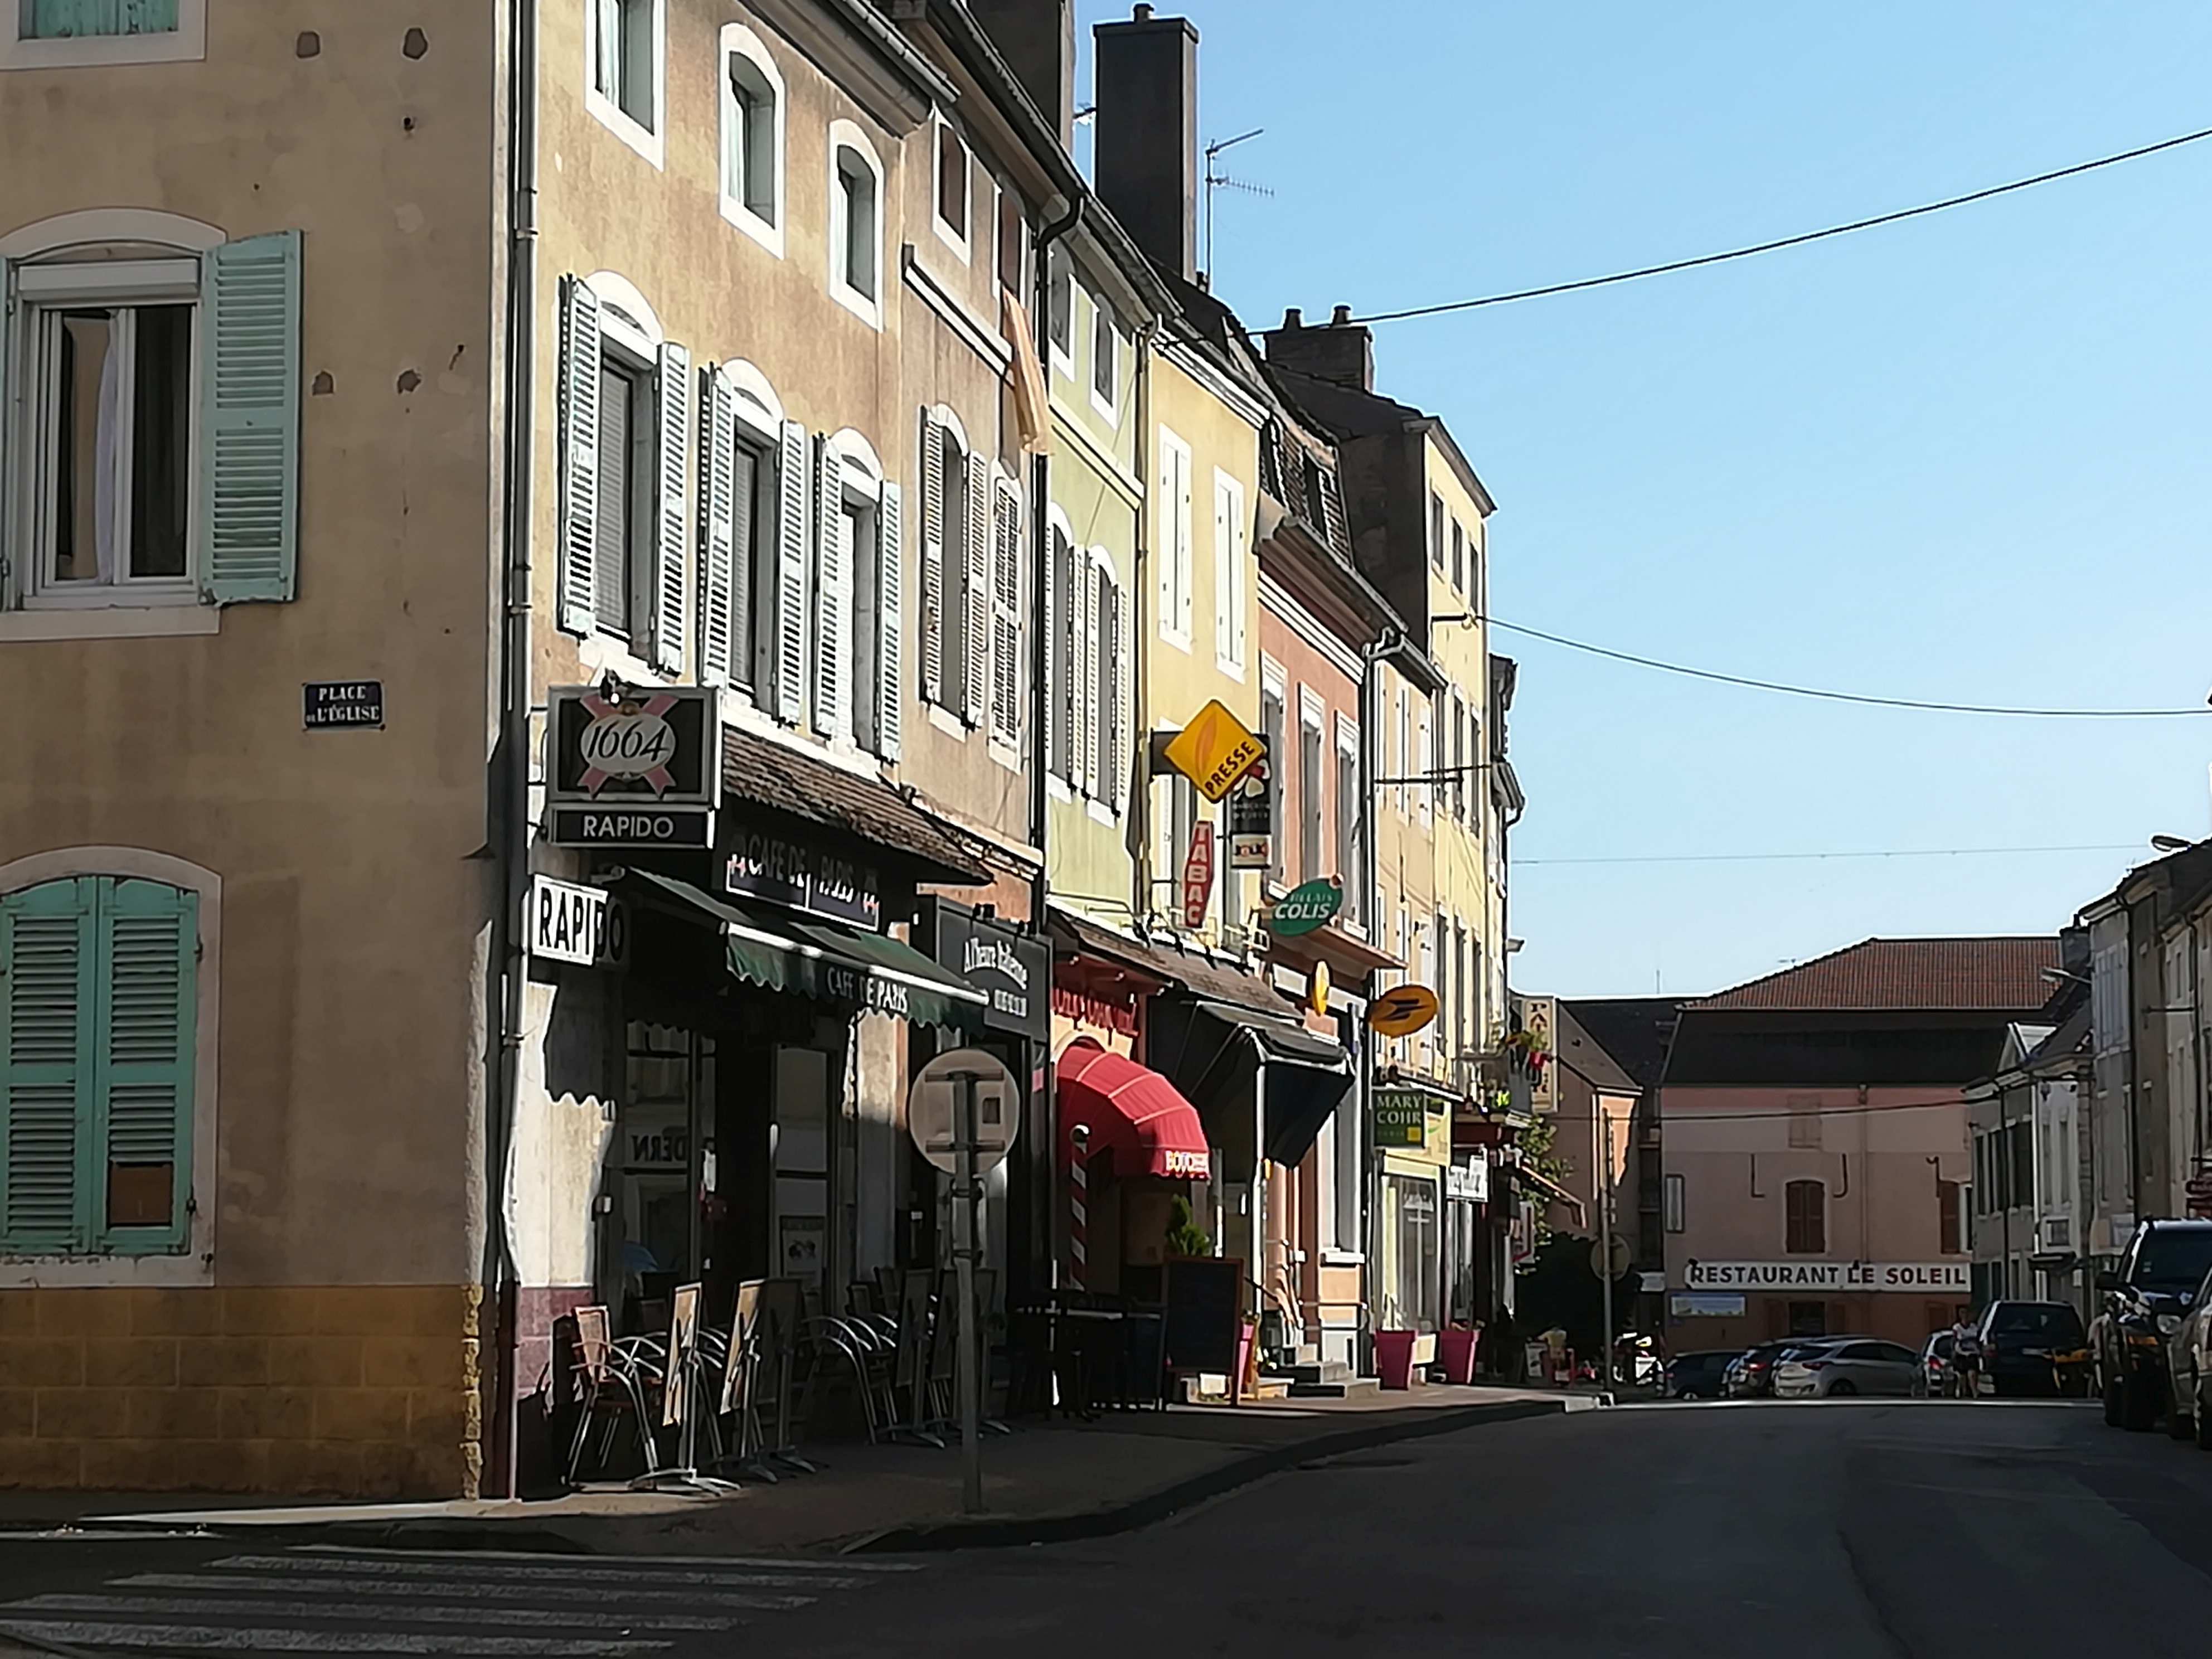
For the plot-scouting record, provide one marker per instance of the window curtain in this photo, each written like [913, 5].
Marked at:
[63, 20]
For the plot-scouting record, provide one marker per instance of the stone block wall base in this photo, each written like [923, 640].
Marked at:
[346, 1391]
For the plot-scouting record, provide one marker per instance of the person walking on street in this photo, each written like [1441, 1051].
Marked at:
[1965, 1361]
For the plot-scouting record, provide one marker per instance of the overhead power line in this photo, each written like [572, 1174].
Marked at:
[1785, 241]
[1890, 852]
[1845, 696]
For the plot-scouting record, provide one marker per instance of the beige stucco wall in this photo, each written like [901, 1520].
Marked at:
[346, 1088]
[1405, 860]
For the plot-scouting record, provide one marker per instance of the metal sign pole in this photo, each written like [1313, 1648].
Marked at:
[965, 1252]
[1605, 1226]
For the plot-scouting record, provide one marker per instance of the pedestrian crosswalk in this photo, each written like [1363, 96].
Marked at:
[323, 1599]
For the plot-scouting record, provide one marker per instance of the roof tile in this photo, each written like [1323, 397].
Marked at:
[2003, 974]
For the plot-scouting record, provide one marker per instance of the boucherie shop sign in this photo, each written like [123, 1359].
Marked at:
[1944, 1277]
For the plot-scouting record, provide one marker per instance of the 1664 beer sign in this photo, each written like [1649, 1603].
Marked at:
[634, 766]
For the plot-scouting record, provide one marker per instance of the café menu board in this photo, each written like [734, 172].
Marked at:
[1204, 1315]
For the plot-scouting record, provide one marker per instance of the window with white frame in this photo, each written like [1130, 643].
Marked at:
[956, 576]
[954, 166]
[1176, 529]
[623, 39]
[625, 414]
[1271, 732]
[1424, 765]
[1105, 360]
[1458, 556]
[74, 33]
[1350, 864]
[856, 597]
[1013, 244]
[150, 457]
[1230, 578]
[1437, 530]
[100, 987]
[740, 524]
[856, 219]
[1059, 332]
[753, 112]
[1312, 785]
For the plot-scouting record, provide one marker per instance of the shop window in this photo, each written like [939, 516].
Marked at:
[1413, 1281]
[1804, 1210]
[99, 987]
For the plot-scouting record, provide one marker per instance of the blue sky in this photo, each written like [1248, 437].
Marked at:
[1961, 459]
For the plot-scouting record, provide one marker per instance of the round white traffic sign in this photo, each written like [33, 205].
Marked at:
[932, 1109]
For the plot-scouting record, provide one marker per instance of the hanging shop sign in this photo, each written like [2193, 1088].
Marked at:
[1252, 820]
[763, 866]
[1402, 1012]
[1468, 1179]
[1010, 967]
[1944, 1277]
[1198, 875]
[633, 766]
[1533, 1079]
[1305, 908]
[587, 926]
[1401, 1119]
[1318, 987]
[1214, 750]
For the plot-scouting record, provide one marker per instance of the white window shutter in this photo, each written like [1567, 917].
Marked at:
[891, 622]
[1225, 595]
[579, 451]
[933, 558]
[792, 533]
[718, 433]
[1184, 540]
[1239, 579]
[1163, 549]
[1124, 700]
[1052, 571]
[833, 594]
[672, 577]
[976, 597]
[1006, 615]
[1084, 706]
[249, 485]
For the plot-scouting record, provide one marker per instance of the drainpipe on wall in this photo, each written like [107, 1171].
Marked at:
[1043, 1208]
[511, 793]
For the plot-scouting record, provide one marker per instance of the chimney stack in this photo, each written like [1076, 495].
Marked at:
[1145, 156]
[1037, 40]
[1342, 351]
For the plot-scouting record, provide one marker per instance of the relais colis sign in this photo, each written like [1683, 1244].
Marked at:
[634, 766]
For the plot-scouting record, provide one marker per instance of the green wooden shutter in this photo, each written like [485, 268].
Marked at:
[48, 1009]
[250, 411]
[139, 1173]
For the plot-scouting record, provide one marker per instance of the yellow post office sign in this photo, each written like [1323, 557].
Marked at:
[1214, 750]
[1403, 1011]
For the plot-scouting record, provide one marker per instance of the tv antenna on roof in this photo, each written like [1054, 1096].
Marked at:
[1216, 179]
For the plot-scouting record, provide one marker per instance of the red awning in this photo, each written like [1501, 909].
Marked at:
[1133, 1113]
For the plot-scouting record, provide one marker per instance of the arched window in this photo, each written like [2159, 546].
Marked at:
[856, 219]
[752, 137]
[1805, 1217]
[100, 1029]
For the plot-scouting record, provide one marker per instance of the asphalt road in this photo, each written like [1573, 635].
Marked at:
[1835, 1530]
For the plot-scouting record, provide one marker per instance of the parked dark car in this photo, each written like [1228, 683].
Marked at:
[2034, 1348]
[1699, 1376]
[2142, 1304]
[1934, 1367]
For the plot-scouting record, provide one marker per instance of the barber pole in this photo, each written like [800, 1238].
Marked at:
[1079, 1214]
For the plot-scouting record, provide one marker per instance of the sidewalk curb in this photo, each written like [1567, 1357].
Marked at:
[998, 1532]
[553, 1537]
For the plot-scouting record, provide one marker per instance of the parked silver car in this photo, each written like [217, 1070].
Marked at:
[1846, 1368]
[2189, 1370]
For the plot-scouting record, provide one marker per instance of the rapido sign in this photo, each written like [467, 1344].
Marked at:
[633, 767]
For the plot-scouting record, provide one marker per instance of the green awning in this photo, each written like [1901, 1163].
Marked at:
[824, 959]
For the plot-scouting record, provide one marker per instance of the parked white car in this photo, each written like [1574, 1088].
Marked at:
[1846, 1368]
